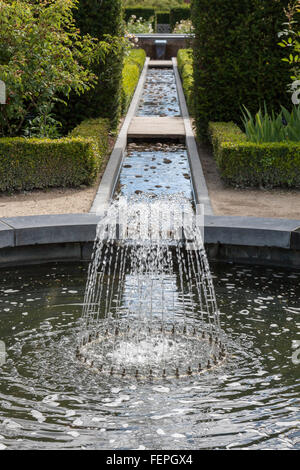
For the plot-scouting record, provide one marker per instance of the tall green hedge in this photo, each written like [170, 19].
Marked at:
[243, 163]
[98, 19]
[141, 12]
[133, 66]
[27, 164]
[237, 60]
[178, 14]
[163, 17]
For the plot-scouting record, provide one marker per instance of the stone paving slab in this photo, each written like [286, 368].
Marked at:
[156, 127]
[160, 64]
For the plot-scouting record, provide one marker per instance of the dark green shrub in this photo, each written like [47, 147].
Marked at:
[133, 66]
[163, 17]
[98, 19]
[185, 67]
[237, 60]
[27, 164]
[242, 163]
[141, 12]
[178, 14]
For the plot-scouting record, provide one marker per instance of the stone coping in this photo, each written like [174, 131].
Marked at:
[81, 228]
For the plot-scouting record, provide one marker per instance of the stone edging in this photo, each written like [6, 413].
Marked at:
[39, 239]
[111, 174]
[198, 179]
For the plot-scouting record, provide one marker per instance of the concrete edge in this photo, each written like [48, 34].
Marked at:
[110, 177]
[81, 228]
[198, 179]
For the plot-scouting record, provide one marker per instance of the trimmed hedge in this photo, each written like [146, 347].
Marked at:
[141, 12]
[178, 14]
[133, 66]
[27, 164]
[237, 60]
[243, 163]
[163, 17]
[185, 67]
[97, 19]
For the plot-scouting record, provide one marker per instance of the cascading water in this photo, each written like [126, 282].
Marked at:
[149, 262]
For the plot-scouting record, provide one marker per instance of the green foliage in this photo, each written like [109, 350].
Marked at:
[103, 20]
[42, 56]
[236, 59]
[185, 67]
[27, 164]
[184, 27]
[265, 127]
[148, 14]
[178, 14]
[162, 5]
[139, 25]
[133, 66]
[163, 17]
[290, 38]
[243, 163]
[96, 129]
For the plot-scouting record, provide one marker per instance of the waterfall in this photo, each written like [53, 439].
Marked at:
[150, 309]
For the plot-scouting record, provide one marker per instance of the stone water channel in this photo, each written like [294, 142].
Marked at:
[157, 168]
[48, 400]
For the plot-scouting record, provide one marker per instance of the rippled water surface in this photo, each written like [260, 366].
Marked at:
[160, 94]
[48, 400]
[156, 169]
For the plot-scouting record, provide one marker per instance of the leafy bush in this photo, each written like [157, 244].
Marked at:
[179, 13]
[243, 163]
[27, 164]
[41, 56]
[185, 67]
[103, 20]
[163, 17]
[139, 25]
[290, 38]
[184, 27]
[265, 127]
[131, 73]
[147, 14]
[237, 59]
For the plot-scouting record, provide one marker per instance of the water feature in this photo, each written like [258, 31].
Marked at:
[50, 400]
[147, 168]
[160, 94]
[160, 312]
[183, 375]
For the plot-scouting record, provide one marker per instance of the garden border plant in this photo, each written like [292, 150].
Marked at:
[237, 60]
[248, 164]
[185, 67]
[75, 160]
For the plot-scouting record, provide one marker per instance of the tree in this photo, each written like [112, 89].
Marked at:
[42, 56]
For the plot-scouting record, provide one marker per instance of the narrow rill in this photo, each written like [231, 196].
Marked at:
[150, 309]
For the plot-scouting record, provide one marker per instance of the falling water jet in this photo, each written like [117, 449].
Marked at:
[151, 285]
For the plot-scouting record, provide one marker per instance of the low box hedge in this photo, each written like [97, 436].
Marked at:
[27, 164]
[133, 65]
[243, 163]
[185, 67]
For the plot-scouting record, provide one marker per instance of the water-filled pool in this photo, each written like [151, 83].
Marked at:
[49, 400]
